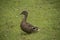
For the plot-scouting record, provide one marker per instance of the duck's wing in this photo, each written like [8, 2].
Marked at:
[34, 28]
[29, 25]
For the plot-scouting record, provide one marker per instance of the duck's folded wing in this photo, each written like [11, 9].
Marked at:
[29, 25]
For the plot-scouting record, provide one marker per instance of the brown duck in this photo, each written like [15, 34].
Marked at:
[27, 27]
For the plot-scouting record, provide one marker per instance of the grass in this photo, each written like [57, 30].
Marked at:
[42, 13]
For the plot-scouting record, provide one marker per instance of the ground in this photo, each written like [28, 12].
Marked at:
[42, 13]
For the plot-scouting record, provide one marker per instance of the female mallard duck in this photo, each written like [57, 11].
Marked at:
[27, 27]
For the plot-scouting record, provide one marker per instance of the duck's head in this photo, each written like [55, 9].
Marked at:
[24, 13]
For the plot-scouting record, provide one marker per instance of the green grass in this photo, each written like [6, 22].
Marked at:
[42, 13]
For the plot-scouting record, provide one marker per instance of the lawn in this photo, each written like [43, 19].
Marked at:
[42, 13]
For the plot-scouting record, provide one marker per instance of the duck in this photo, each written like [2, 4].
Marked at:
[25, 26]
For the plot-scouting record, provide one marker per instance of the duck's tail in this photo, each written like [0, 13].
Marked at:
[36, 29]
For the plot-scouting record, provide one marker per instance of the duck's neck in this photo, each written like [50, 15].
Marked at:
[24, 18]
